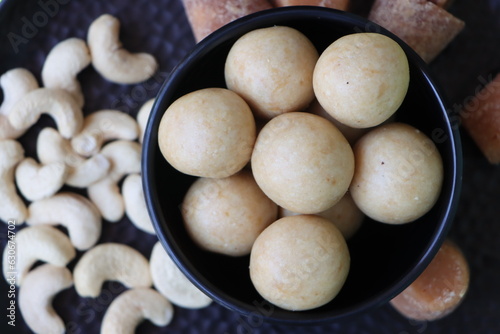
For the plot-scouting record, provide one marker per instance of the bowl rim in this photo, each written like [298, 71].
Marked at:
[228, 32]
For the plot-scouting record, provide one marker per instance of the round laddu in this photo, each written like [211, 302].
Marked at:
[226, 215]
[208, 133]
[350, 133]
[362, 79]
[439, 290]
[399, 174]
[272, 69]
[344, 214]
[302, 162]
[299, 262]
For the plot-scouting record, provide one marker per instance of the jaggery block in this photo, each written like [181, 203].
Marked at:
[206, 16]
[439, 290]
[423, 25]
[336, 4]
[481, 119]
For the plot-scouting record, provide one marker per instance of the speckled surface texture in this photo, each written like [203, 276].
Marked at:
[161, 28]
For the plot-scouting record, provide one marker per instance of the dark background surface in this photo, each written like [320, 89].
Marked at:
[161, 28]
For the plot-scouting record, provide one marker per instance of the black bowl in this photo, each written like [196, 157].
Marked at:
[385, 259]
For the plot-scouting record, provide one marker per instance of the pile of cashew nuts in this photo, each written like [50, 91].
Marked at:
[82, 152]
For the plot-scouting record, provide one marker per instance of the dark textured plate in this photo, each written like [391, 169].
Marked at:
[161, 28]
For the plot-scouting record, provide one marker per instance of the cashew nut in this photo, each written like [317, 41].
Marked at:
[125, 158]
[40, 181]
[40, 286]
[135, 204]
[73, 211]
[35, 298]
[52, 147]
[102, 126]
[111, 60]
[131, 307]
[33, 243]
[12, 206]
[15, 84]
[114, 262]
[56, 102]
[62, 65]
[7, 131]
[143, 116]
[172, 283]
[106, 196]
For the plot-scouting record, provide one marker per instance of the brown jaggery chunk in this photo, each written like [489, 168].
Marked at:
[481, 119]
[424, 26]
[439, 290]
[206, 16]
[335, 4]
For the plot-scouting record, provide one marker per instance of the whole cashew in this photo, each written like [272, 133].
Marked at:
[106, 196]
[111, 60]
[35, 298]
[125, 158]
[12, 206]
[7, 131]
[135, 204]
[88, 171]
[62, 65]
[131, 307]
[34, 243]
[15, 84]
[172, 283]
[114, 262]
[102, 126]
[56, 102]
[143, 116]
[40, 181]
[73, 211]
[52, 147]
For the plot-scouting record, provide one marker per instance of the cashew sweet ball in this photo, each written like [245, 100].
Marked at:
[350, 133]
[299, 262]
[226, 215]
[344, 214]
[208, 132]
[302, 162]
[272, 69]
[362, 79]
[399, 173]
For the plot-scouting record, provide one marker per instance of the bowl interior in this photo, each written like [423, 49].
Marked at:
[384, 258]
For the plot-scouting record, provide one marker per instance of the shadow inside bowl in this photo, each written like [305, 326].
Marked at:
[384, 258]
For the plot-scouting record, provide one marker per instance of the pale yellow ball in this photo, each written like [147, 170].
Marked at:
[399, 174]
[299, 262]
[302, 162]
[272, 69]
[226, 215]
[208, 133]
[362, 79]
[344, 214]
